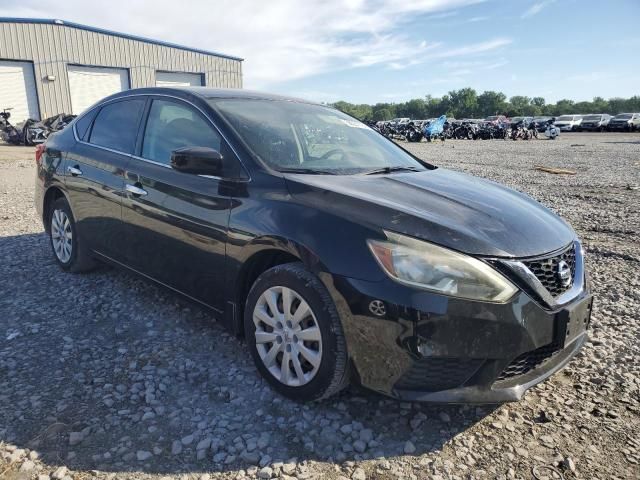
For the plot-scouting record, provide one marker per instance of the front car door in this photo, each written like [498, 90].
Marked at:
[176, 223]
[94, 169]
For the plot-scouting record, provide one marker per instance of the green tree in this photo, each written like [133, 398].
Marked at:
[415, 109]
[362, 112]
[463, 103]
[434, 107]
[564, 107]
[538, 102]
[520, 105]
[382, 114]
[491, 103]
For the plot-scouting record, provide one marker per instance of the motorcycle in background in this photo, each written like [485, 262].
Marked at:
[552, 132]
[32, 132]
[435, 129]
[413, 132]
[9, 133]
[36, 132]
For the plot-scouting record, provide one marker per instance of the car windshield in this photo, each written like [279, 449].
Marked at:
[565, 118]
[591, 117]
[623, 116]
[306, 138]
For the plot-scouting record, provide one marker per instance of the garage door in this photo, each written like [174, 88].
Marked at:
[178, 79]
[90, 84]
[18, 91]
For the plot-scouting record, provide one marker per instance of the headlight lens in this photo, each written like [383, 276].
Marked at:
[439, 269]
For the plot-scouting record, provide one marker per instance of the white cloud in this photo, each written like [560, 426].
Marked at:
[584, 77]
[536, 8]
[439, 52]
[281, 40]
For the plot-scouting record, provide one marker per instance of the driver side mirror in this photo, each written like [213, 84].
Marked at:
[198, 161]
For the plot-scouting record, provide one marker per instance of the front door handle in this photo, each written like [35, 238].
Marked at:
[135, 190]
[75, 171]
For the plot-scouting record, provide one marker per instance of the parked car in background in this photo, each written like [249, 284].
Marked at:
[400, 121]
[338, 257]
[595, 123]
[541, 123]
[625, 121]
[526, 120]
[568, 123]
[497, 119]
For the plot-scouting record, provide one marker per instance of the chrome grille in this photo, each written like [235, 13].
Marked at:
[546, 270]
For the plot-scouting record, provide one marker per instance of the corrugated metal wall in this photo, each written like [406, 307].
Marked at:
[51, 47]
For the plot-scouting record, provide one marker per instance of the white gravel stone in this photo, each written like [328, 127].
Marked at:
[59, 473]
[358, 474]
[265, 472]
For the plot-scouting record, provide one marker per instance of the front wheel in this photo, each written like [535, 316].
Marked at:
[295, 335]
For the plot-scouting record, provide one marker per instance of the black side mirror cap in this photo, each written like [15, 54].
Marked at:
[198, 161]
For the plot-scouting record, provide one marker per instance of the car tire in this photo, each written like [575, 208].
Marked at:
[317, 367]
[69, 251]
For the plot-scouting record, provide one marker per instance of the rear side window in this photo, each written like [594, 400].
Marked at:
[83, 124]
[116, 125]
[173, 125]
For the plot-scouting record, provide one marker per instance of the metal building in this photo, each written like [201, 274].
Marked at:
[52, 66]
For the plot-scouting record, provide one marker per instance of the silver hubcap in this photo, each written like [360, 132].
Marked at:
[61, 235]
[288, 337]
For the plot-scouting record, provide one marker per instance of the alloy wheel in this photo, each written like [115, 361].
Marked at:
[287, 336]
[61, 235]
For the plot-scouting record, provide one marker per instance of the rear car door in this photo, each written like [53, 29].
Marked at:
[176, 223]
[94, 169]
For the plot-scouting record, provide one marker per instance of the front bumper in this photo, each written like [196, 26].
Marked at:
[619, 126]
[433, 348]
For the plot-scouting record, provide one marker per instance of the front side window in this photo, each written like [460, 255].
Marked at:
[116, 125]
[172, 125]
[311, 138]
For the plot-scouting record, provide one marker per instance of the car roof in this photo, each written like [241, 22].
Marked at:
[210, 93]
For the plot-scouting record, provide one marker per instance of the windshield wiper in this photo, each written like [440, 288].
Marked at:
[396, 168]
[310, 171]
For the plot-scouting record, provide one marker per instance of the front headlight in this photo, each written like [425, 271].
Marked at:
[439, 269]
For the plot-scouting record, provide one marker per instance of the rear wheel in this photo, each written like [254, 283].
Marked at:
[69, 251]
[295, 335]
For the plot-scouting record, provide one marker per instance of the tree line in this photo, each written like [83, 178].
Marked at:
[466, 103]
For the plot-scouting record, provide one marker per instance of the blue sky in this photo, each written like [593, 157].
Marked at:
[392, 50]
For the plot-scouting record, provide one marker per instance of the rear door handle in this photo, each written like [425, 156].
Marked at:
[75, 171]
[135, 190]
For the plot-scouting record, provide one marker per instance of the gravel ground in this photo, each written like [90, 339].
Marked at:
[105, 376]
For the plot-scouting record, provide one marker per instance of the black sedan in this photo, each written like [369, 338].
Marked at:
[339, 256]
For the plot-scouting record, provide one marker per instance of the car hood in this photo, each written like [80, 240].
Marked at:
[448, 208]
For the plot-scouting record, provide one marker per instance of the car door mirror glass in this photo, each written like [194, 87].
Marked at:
[198, 161]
